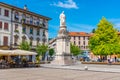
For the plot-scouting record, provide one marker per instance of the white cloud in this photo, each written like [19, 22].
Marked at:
[117, 25]
[66, 4]
[116, 22]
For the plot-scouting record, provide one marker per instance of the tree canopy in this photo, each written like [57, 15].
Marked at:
[105, 40]
[51, 52]
[93, 30]
[24, 45]
[41, 49]
[75, 50]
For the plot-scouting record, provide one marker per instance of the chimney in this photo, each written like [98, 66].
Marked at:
[25, 7]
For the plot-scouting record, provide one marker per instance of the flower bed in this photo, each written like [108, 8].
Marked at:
[113, 63]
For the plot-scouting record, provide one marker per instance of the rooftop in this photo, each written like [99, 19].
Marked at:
[23, 10]
[79, 34]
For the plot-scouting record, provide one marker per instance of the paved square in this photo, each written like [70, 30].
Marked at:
[55, 74]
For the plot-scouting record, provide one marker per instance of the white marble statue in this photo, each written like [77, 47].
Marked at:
[62, 19]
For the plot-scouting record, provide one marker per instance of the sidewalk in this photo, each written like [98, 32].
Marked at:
[89, 67]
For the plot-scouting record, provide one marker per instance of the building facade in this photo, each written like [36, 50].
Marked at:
[52, 43]
[80, 39]
[17, 25]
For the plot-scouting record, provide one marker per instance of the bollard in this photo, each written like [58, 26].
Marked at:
[86, 68]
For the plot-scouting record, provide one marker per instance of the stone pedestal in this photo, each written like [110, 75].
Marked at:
[63, 60]
[63, 55]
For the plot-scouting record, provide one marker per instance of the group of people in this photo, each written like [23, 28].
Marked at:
[112, 60]
[14, 61]
[3, 63]
[109, 60]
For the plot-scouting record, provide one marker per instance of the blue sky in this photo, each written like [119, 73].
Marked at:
[81, 15]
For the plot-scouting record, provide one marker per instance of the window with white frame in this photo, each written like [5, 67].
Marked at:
[6, 13]
[6, 26]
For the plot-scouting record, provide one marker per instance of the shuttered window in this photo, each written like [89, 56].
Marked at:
[6, 13]
[5, 26]
[5, 41]
[0, 24]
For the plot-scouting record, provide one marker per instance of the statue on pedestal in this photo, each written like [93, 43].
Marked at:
[62, 19]
[63, 55]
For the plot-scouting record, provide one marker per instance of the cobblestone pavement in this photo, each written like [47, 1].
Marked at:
[55, 74]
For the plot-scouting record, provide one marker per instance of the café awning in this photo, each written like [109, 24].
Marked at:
[23, 52]
[5, 52]
[17, 52]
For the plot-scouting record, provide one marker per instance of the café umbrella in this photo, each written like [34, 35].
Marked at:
[23, 52]
[6, 52]
[17, 52]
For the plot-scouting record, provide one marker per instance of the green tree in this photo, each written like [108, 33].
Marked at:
[24, 46]
[51, 52]
[41, 49]
[105, 40]
[75, 50]
[93, 30]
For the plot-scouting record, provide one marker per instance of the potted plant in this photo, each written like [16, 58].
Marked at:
[37, 61]
[17, 31]
[23, 20]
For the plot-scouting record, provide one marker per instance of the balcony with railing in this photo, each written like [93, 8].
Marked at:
[30, 21]
[16, 18]
[34, 23]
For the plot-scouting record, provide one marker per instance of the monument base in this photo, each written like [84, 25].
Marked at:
[63, 60]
